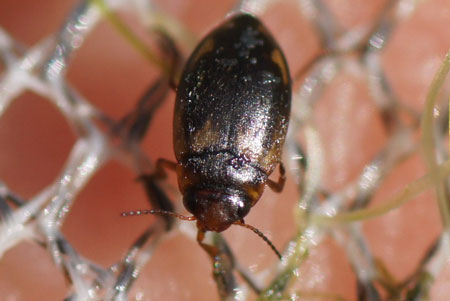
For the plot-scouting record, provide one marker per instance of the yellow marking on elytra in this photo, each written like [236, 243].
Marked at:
[204, 137]
[277, 58]
[254, 191]
[205, 47]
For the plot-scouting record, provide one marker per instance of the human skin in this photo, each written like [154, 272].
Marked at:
[35, 141]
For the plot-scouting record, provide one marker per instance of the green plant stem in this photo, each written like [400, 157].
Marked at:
[409, 192]
[122, 28]
[428, 140]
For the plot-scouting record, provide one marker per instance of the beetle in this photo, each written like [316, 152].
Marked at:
[230, 120]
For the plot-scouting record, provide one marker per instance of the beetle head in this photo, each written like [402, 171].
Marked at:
[216, 211]
[213, 212]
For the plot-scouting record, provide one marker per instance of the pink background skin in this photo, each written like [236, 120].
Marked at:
[35, 141]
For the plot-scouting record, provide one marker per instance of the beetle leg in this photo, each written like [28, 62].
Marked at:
[278, 186]
[212, 251]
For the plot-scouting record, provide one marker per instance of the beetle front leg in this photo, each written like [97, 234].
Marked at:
[278, 186]
[212, 251]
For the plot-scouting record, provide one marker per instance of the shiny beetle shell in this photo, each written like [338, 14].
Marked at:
[230, 121]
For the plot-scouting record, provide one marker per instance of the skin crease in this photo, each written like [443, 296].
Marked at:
[35, 141]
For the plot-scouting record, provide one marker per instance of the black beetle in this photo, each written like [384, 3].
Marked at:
[230, 121]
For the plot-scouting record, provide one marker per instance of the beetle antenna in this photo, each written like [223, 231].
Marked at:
[156, 211]
[260, 234]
